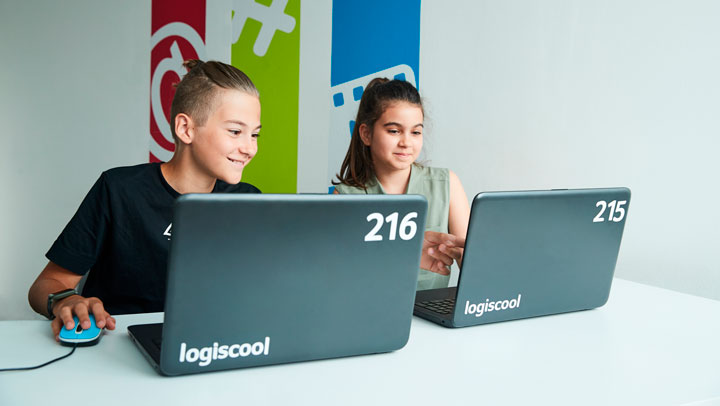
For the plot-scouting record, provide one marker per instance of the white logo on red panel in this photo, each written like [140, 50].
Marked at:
[180, 42]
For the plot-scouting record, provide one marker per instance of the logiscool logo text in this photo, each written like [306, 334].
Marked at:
[488, 306]
[206, 355]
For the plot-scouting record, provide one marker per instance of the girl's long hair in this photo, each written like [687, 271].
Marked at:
[357, 168]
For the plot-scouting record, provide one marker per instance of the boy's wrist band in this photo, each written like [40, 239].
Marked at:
[56, 297]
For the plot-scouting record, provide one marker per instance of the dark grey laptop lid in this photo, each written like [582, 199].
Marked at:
[265, 279]
[539, 252]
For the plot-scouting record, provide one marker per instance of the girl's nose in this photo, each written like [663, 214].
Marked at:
[403, 139]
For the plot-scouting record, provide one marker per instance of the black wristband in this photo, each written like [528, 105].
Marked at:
[56, 297]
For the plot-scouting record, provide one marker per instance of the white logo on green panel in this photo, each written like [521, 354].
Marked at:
[266, 47]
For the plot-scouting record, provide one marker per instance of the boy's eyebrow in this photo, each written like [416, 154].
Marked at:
[400, 125]
[241, 124]
[238, 122]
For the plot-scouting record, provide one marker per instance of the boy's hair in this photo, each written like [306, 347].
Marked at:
[357, 168]
[196, 94]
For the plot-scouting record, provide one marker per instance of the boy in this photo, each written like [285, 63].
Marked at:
[121, 232]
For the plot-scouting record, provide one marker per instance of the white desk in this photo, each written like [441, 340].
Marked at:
[647, 346]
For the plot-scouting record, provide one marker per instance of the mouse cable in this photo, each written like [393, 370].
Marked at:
[42, 365]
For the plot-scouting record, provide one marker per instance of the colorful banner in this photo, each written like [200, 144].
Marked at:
[370, 39]
[263, 37]
[265, 44]
[178, 34]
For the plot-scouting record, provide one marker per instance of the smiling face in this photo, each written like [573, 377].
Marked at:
[396, 138]
[225, 144]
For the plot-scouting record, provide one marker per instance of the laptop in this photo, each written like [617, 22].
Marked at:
[270, 279]
[532, 253]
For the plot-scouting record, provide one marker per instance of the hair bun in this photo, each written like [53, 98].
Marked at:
[191, 64]
[375, 82]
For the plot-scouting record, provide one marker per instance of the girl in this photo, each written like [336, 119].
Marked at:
[121, 233]
[386, 142]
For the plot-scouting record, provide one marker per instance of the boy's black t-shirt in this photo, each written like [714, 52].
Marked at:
[121, 234]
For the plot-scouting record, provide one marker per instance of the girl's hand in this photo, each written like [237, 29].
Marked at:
[440, 250]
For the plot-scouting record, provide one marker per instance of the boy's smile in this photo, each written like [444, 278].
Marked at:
[227, 142]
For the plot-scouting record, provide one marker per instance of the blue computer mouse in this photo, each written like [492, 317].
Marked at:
[80, 337]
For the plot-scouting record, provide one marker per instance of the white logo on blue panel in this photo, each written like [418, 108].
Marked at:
[363, 48]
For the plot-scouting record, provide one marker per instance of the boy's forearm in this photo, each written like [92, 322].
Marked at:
[39, 291]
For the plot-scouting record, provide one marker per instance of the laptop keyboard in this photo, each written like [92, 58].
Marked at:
[442, 306]
[156, 342]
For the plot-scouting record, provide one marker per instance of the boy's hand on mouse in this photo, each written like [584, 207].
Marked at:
[81, 307]
[440, 250]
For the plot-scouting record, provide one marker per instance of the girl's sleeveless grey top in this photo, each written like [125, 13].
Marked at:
[434, 184]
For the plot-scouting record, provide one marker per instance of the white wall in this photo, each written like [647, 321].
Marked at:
[74, 82]
[519, 95]
[315, 97]
[561, 93]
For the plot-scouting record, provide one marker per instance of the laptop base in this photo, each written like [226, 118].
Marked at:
[148, 338]
[431, 305]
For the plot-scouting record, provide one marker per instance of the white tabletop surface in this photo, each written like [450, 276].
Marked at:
[647, 346]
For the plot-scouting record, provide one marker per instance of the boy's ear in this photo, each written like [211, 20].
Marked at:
[184, 128]
[364, 132]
